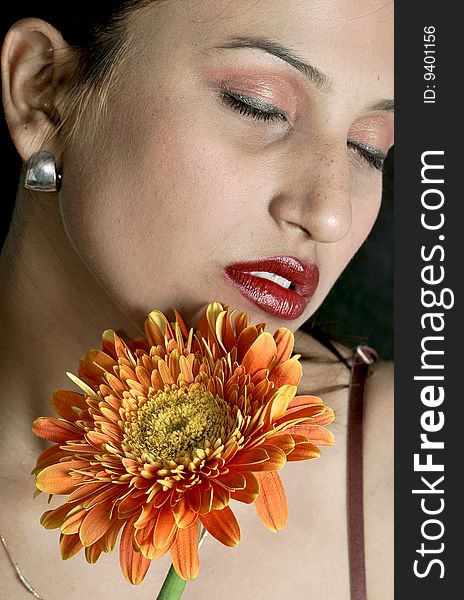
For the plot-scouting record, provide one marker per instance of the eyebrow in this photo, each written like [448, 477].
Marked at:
[386, 105]
[315, 75]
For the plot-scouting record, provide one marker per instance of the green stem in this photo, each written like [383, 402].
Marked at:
[173, 586]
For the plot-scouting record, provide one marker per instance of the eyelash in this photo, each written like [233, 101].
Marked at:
[371, 155]
[260, 111]
[251, 107]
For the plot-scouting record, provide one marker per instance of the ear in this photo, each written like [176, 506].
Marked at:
[36, 65]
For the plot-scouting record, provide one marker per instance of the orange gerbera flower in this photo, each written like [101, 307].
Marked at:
[168, 430]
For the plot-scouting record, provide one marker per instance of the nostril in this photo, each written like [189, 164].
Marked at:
[299, 227]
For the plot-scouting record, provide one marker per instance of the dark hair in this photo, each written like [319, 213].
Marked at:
[95, 29]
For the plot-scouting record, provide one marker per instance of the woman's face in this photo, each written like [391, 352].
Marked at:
[239, 132]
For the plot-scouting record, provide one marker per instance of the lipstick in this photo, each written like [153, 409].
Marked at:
[281, 285]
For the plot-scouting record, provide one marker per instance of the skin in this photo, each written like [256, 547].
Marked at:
[172, 184]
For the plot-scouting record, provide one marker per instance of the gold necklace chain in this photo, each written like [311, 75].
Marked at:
[15, 566]
[26, 583]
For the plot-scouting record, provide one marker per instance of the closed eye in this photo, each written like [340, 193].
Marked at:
[262, 111]
[252, 107]
[371, 155]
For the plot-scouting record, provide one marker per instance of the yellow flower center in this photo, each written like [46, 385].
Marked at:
[171, 425]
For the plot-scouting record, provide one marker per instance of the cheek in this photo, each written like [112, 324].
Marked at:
[192, 183]
[151, 220]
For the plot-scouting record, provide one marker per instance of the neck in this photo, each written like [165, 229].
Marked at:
[52, 310]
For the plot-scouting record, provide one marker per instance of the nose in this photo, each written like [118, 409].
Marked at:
[317, 199]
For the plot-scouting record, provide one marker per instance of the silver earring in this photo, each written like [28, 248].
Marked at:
[42, 174]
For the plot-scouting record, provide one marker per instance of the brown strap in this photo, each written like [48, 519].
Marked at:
[363, 357]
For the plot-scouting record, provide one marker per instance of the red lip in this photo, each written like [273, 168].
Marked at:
[270, 296]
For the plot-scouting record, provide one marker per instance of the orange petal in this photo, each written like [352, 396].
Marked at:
[283, 441]
[260, 354]
[318, 414]
[233, 480]
[304, 451]
[110, 492]
[160, 498]
[217, 327]
[184, 553]
[88, 489]
[279, 402]
[144, 543]
[245, 340]
[221, 496]
[93, 553]
[108, 342]
[108, 541]
[271, 504]
[182, 325]
[193, 497]
[155, 328]
[183, 515]
[55, 430]
[285, 341]
[147, 517]
[73, 522]
[64, 402]
[304, 401]
[228, 335]
[264, 390]
[165, 373]
[69, 545]
[129, 505]
[97, 439]
[133, 564]
[326, 417]
[156, 380]
[165, 527]
[240, 322]
[95, 524]
[259, 376]
[300, 414]
[289, 372]
[250, 457]
[316, 434]
[222, 525]
[250, 493]
[52, 519]
[56, 478]
[275, 461]
[186, 370]
[120, 346]
[116, 384]
[207, 493]
[49, 456]
[93, 366]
